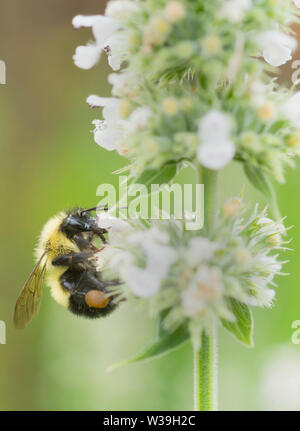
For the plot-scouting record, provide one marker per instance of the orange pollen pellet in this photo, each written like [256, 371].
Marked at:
[96, 299]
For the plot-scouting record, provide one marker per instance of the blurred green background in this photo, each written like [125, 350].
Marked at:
[49, 162]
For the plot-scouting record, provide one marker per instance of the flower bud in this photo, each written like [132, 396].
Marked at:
[174, 11]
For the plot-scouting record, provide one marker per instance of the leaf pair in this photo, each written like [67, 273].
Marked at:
[165, 342]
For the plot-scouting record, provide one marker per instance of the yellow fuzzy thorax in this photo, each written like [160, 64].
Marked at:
[54, 240]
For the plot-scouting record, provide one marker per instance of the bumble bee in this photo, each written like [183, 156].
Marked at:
[65, 254]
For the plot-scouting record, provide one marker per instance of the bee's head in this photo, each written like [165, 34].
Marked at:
[78, 220]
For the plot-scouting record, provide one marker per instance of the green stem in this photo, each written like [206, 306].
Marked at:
[205, 358]
[209, 179]
[205, 373]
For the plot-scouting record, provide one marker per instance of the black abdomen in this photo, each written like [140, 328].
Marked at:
[79, 282]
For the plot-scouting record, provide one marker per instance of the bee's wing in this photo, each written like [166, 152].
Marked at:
[28, 302]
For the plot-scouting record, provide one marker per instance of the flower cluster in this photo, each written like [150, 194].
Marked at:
[193, 85]
[196, 277]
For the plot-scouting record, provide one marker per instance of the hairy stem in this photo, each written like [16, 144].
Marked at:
[205, 358]
[205, 373]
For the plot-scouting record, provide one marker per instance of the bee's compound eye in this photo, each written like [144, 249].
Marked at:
[96, 299]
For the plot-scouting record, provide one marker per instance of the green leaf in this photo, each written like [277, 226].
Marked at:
[262, 183]
[161, 345]
[242, 328]
[160, 176]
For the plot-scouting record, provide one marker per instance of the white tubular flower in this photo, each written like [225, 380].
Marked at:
[146, 281]
[105, 136]
[217, 156]
[214, 126]
[264, 298]
[86, 57]
[111, 108]
[206, 287]
[110, 104]
[119, 9]
[107, 133]
[103, 28]
[216, 149]
[125, 84]
[269, 266]
[291, 109]
[143, 282]
[271, 230]
[111, 223]
[234, 10]
[200, 250]
[116, 50]
[277, 47]
[138, 119]
[104, 257]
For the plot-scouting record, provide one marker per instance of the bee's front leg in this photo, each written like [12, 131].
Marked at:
[72, 258]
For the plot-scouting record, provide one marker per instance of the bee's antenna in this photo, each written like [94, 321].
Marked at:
[103, 207]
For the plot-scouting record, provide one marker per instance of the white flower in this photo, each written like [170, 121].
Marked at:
[114, 224]
[80, 21]
[214, 126]
[119, 9]
[86, 57]
[138, 119]
[277, 47]
[297, 3]
[104, 258]
[143, 282]
[116, 49]
[270, 266]
[200, 250]
[265, 268]
[125, 84]
[261, 296]
[206, 287]
[216, 156]
[103, 29]
[107, 133]
[146, 282]
[280, 383]
[110, 104]
[216, 149]
[269, 227]
[107, 137]
[291, 109]
[234, 10]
